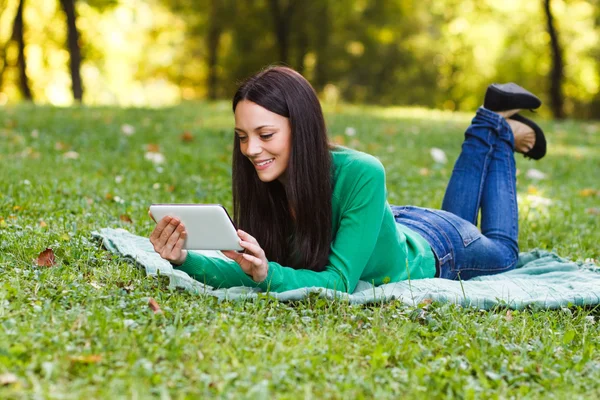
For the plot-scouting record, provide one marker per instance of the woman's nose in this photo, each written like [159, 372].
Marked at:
[254, 147]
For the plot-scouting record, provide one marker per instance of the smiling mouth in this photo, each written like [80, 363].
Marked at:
[267, 162]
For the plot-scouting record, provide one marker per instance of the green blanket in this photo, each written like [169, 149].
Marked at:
[541, 278]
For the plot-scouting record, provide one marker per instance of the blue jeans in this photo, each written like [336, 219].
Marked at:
[484, 177]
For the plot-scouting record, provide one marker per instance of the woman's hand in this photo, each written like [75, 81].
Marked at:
[167, 239]
[253, 261]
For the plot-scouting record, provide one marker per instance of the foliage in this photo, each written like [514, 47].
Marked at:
[430, 53]
[81, 326]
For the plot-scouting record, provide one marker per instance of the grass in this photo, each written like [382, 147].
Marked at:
[82, 328]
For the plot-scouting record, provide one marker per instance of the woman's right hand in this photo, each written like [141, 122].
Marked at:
[167, 239]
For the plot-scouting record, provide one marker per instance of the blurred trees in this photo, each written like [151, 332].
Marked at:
[417, 52]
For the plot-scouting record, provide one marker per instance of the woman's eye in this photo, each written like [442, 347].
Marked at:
[243, 138]
[267, 136]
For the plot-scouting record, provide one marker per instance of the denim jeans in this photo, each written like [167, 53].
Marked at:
[484, 177]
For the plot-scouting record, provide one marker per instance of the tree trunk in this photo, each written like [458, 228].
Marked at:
[282, 18]
[321, 47]
[556, 75]
[301, 40]
[212, 43]
[73, 46]
[18, 29]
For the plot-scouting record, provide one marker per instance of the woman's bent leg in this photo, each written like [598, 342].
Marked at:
[484, 176]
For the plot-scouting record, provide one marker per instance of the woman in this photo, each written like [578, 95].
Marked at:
[312, 214]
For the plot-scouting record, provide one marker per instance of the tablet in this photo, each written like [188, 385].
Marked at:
[208, 226]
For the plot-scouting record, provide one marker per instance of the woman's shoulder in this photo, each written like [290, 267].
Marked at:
[353, 161]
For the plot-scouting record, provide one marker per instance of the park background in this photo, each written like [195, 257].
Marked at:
[398, 79]
[432, 53]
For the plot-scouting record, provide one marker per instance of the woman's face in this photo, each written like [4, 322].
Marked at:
[265, 138]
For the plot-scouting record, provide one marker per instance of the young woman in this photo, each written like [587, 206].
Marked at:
[312, 214]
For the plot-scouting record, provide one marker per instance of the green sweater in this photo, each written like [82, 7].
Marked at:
[367, 244]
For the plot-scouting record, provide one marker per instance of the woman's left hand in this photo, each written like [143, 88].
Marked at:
[253, 261]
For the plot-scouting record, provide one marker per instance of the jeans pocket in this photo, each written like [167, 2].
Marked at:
[467, 231]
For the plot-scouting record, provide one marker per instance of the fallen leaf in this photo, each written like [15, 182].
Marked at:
[588, 192]
[125, 218]
[46, 258]
[153, 148]
[154, 306]
[43, 223]
[88, 359]
[427, 301]
[108, 196]
[171, 188]
[508, 316]
[187, 137]
[7, 378]
[17, 208]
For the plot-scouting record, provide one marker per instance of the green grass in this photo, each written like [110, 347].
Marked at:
[82, 328]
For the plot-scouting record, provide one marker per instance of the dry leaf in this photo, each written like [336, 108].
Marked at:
[171, 188]
[588, 192]
[153, 148]
[187, 137]
[125, 218]
[108, 196]
[427, 301]
[508, 316]
[43, 223]
[46, 258]
[17, 208]
[154, 306]
[89, 359]
[7, 378]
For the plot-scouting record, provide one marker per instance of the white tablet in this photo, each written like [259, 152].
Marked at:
[208, 226]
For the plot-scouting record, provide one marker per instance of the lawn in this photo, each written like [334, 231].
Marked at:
[82, 328]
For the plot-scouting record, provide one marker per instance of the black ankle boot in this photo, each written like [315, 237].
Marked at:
[509, 96]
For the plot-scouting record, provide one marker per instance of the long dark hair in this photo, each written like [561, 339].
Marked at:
[264, 210]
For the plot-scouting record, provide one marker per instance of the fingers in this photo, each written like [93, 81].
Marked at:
[151, 216]
[175, 237]
[254, 260]
[253, 248]
[159, 228]
[247, 237]
[168, 230]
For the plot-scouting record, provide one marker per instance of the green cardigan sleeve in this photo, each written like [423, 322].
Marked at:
[362, 196]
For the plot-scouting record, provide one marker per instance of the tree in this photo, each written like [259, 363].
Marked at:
[68, 7]
[556, 74]
[282, 12]
[18, 36]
